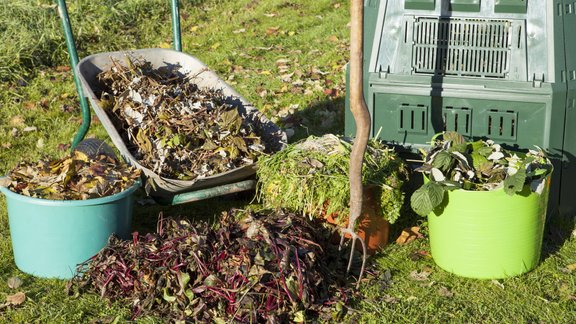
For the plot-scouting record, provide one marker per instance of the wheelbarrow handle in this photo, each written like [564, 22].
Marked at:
[71, 45]
[176, 25]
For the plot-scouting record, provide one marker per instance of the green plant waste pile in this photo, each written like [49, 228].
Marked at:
[74, 177]
[453, 163]
[175, 128]
[311, 177]
[273, 267]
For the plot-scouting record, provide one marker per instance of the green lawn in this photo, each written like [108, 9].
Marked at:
[287, 57]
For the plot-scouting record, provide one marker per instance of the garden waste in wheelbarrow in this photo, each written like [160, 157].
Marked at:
[195, 71]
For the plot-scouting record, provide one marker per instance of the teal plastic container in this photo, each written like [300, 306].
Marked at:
[488, 234]
[51, 237]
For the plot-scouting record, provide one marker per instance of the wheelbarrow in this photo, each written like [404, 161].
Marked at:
[164, 190]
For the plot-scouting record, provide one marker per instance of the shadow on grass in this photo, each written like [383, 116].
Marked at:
[322, 117]
[557, 231]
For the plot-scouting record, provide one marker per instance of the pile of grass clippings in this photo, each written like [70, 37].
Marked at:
[74, 177]
[311, 177]
[172, 126]
[265, 268]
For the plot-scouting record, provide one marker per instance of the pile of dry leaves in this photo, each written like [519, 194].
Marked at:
[75, 177]
[172, 126]
[272, 268]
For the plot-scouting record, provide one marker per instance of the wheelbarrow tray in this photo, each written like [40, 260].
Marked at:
[88, 70]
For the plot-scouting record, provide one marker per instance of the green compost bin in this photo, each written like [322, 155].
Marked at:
[504, 70]
[488, 234]
[51, 237]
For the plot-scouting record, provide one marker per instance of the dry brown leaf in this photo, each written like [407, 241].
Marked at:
[408, 235]
[445, 292]
[571, 266]
[13, 282]
[62, 68]
[272, 30]
[16, 121]
[5, 181]
[29, 105]
[420, 276]
[16, 299]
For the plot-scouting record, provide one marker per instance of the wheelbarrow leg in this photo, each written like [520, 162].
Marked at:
[362, 120]
[71, 45]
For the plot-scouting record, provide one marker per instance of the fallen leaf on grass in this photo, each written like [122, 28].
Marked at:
[29, 105]
[63, 147]
[408, 235]
[16, 121]
[390, 299]
[14, 282]
[16, 299]
[420, 276]
[419, 255]
[30, 129]
[498, 284]
[445, 292]
[333, 38]
[62, 68]
[569, 268]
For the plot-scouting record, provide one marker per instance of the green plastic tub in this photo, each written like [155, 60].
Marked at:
[51, 237]
[488, 234]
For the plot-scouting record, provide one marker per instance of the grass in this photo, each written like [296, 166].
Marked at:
[254, 45]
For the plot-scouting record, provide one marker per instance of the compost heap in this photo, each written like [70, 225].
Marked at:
[74, 177]
[173, 127]
[311, 177]
[274, 267]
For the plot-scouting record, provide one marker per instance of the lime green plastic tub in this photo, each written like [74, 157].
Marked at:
[51, 237]
[488, 234]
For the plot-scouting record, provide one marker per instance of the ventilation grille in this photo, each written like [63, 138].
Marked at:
[502, 124]
[462, 47]
[458, 119]
[413, 118]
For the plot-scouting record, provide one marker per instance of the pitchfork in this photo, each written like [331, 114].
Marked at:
[362, 120]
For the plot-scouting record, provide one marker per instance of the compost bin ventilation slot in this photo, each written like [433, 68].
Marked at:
[462, 46]
[503, 124]
[457, 119]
